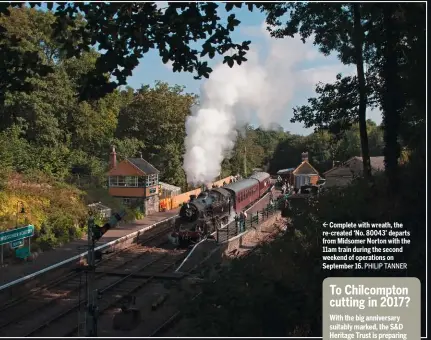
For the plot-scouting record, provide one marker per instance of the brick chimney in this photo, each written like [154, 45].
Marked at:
[112, 159]
[304, 156]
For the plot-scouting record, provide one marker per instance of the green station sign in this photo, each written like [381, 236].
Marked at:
[16, 234]
[16, 244]
[23, 252]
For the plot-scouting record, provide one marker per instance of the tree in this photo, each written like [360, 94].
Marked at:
[17, 64]
[156, 117]
[127, 31]
[337, 27]
[358, 42]
[401, 33]
[68, 135]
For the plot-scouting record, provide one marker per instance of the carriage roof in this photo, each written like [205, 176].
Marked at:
[260, 176]
[241, 185]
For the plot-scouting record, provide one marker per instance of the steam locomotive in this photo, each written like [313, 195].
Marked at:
[203, 214]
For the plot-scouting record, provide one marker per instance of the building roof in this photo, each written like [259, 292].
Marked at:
[302, 169]
[285, 171]
[241, 185]
[98, 206]
[377, 163]
[143, 165]
[169, 187]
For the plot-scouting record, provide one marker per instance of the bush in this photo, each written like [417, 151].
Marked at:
[46, 240]
[138, 214]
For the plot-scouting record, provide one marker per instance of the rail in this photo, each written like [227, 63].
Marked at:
[77, 257]
[189, 254]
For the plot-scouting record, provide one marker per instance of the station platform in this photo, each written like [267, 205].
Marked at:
[46, 259]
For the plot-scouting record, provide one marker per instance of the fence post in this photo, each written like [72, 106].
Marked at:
[257, 217]
[217, 236]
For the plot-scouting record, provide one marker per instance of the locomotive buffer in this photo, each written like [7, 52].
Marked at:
[94, 234]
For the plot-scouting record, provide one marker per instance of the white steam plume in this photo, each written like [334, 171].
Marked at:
[232, 96]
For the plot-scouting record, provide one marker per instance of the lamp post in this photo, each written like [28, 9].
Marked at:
[18, 211]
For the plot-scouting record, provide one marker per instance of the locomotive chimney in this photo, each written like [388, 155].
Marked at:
[192, 197]
[112, 158]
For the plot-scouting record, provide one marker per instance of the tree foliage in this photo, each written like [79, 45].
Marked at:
[127, 31]
[339, 28]
[156, 117]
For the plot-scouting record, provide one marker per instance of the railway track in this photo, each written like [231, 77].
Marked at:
[49, 310]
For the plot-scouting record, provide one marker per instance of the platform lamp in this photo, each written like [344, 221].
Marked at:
[19, 211]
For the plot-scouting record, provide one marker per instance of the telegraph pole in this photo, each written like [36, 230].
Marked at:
[92, 310]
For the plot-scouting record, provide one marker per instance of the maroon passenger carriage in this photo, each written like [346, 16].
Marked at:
[249, 190]
[264, 182]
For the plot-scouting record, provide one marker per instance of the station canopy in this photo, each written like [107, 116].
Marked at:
[171, 188]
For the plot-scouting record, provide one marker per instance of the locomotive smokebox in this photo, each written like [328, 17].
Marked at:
[192, 197]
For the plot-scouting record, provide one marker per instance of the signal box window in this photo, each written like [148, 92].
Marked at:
[152, 180]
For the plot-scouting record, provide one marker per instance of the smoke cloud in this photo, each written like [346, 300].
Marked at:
[232, 97]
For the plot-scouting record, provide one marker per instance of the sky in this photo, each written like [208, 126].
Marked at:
[296, 68]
